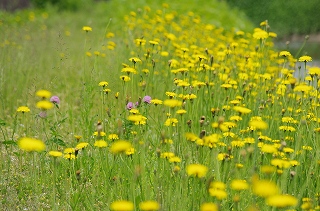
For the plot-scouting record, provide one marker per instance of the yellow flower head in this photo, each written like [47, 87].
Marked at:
[43, 93]
[31, 144]
[82, 145]
[120, 146]
[44, 105]
[103, 83]
[305, 59]
[172, 103]
[100, 143]
[149, 206]
[87, 28]
[281, 201]
[239, 184]
[23, 109]
[125, 78]
[264, 188]
[55, 153]
[209, 207]
[197, 170]
[122, 206]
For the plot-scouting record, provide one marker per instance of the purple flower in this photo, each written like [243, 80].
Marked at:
[55, 99]
[43, 114]
[146, 99]
[130, 105]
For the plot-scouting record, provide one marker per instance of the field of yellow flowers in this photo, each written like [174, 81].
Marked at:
[168, 113]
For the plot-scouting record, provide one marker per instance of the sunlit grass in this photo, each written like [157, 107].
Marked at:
[165, 111]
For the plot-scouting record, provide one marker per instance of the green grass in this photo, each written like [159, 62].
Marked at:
[49, 50]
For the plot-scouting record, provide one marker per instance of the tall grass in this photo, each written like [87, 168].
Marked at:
[228, 126]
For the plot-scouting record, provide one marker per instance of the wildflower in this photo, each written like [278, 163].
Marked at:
[281, 201]
[44, 94]
[209, 207]
[181, 111]
[87, 28]
[44, 105]
[156, 102]
[69, 150]
[171, 122]
[305, 59]
[130, 151]
[120, 146]
[31, 144]
[100, 143]
[55, 153]
[125, 78]
[285, 53]
[268, 148]
[109, 35]
[103, 83]
[70, 156]
[55, 100]
[113, 137]
[146, 99]
[260, 34]
[135, 60]
[175, 159]
[149, 206]
[23, 109]
[122, 206]
[130, 105]
[241, 110]
[172, 103]
[197, 170]
[152, 42]
[239, 185]
[217, 189]
[128, 70]
[258, 124]
[82, 145]
[101, 133]
[264, 188]
[137, 119]
[268, 169]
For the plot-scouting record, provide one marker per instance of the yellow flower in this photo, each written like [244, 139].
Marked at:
[305, 59]
[23, 109]
[82, 145]
[217, 189]
[125, 78]
[43, 93]
[113, 137]
[69, 150]
[258, 124]
[130, 151]
[260, 34]
[103, 83]
[264, 188]
[156, 102]
[120, 146]
[209, 207]
[100, 143]
[55, 153]
[44, 104]
[31, 144]
[122, 206]
[172, 103]
[241, 110]
[285, 53]
[268, 148]
[239, 184]
[181, 111]
[197, 170]
[135, 59]
[149, 206]
[171, 122]
[281, 201]
[128, 70]
[87, 28]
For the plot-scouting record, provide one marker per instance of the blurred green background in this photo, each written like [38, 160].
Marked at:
[291, 20]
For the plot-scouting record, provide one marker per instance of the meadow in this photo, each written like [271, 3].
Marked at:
[152, 108]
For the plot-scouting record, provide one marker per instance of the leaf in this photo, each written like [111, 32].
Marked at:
[9, 142]
[2, 122]
[58, 141]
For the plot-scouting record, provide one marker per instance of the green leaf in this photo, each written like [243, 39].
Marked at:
[9, 142]
[58, 141]
[2, 122]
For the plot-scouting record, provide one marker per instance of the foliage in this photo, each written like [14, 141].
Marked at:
[154, 108]
[285, 17]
